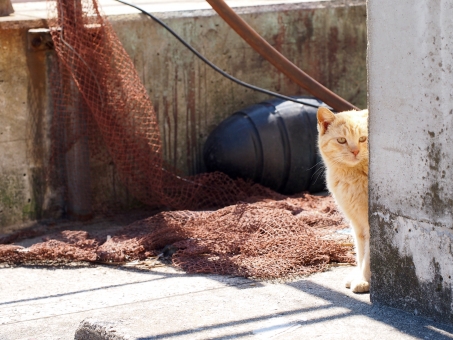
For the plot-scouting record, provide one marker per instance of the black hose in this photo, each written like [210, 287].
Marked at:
[199, 55]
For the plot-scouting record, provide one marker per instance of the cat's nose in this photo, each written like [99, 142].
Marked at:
[355, 152]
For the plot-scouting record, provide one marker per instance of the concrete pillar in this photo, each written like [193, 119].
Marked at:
[410, 64]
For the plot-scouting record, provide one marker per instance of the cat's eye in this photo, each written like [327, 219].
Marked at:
[362, 139]
[341, 140]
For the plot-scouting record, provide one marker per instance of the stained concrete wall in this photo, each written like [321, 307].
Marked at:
[410, 65]
[326, 39]
[16, 165]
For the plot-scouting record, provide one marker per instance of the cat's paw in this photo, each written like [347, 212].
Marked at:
[353, 275]
[360, 286]
[347, 282]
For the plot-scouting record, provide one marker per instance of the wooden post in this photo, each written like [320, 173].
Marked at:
[6, 8]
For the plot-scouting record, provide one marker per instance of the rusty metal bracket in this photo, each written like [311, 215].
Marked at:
[39, 39]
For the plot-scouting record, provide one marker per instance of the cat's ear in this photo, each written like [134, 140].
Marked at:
[325, 118]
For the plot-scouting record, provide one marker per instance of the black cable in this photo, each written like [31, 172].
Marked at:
[199, 55]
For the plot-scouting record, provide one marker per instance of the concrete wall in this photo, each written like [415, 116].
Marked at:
[16, 165]
[410, 65]
[326, 39]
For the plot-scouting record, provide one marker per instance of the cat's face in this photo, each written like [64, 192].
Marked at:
[343, 137]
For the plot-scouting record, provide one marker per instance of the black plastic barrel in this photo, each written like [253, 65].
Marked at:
[273, 143]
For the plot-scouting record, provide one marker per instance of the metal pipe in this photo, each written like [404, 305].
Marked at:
[279, 60]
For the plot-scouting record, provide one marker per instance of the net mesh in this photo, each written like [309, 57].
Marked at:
[266, 239]
[102, 115]
[115, 114]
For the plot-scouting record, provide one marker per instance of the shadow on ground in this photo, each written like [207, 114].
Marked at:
[412, 325]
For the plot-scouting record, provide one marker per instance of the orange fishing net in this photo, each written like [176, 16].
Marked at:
[102, 115]
[267, 239]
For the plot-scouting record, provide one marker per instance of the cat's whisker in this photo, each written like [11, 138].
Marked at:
[321, 169]
[337, 160]
[319, 174]
[314, 165]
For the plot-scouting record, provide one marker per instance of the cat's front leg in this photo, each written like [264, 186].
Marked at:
[360, 283]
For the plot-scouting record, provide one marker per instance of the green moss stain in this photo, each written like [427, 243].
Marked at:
[28, 211]
[15, 206]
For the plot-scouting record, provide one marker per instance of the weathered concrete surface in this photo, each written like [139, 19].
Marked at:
[411, 165]
[15, 190]
[328, 42]
[327, 39]
[51, 304]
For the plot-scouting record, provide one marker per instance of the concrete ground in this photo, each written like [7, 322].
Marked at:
[104, 302]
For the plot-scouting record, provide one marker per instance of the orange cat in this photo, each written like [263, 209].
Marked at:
[344, 149]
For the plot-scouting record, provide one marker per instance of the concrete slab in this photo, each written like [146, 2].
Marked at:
[99, 302]
[26, 9]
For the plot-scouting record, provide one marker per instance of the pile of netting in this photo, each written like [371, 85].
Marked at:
[102, 114]
[267, 239]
